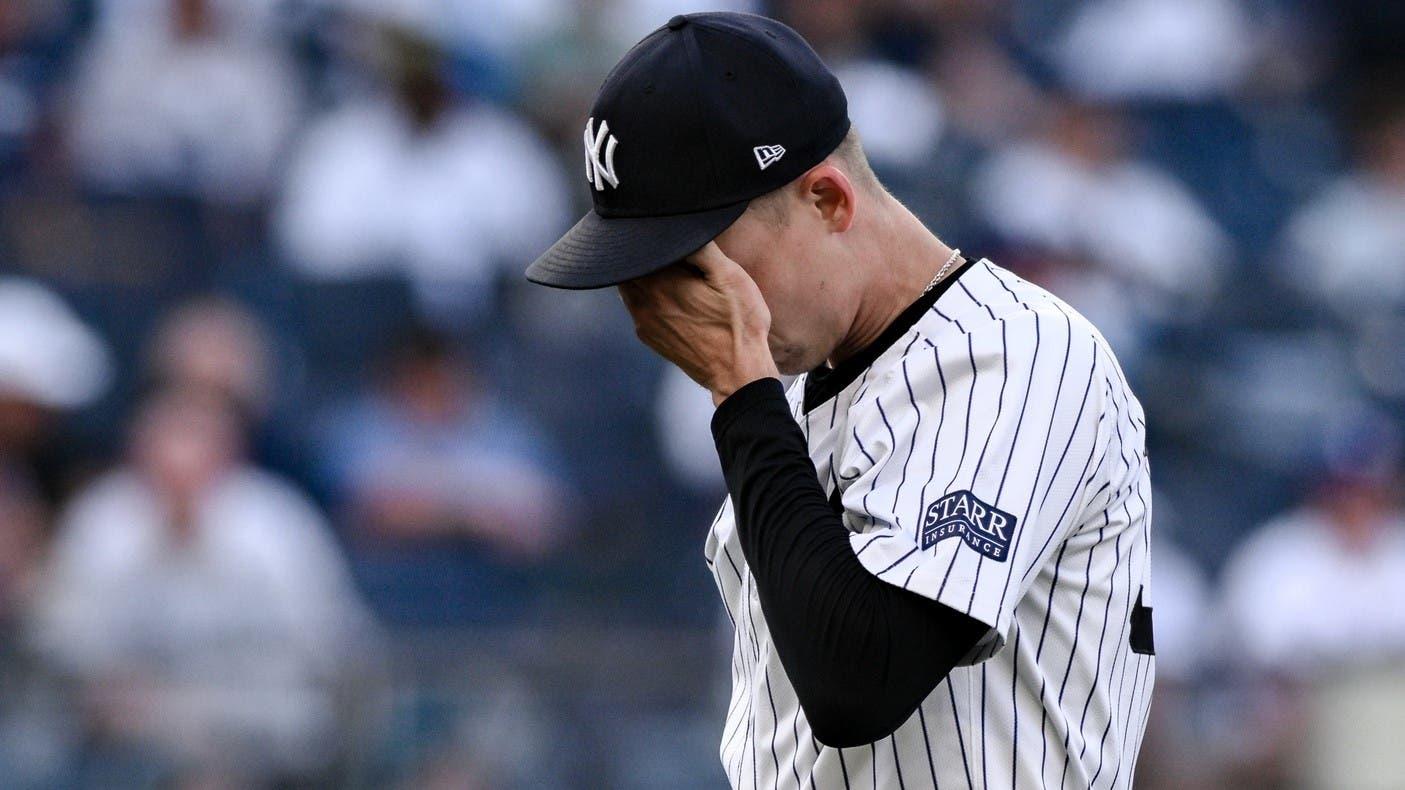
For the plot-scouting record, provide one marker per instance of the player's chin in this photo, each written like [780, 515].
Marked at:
[791, 360]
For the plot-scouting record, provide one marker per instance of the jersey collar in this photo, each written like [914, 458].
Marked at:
[824, 382]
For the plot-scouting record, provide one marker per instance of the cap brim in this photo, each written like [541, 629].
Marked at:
[599, 252]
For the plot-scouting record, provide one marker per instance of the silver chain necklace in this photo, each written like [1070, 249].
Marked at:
[955, 254]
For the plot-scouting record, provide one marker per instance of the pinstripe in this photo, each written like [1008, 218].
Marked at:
[892, 444]
[775, 722]
[1123, 652]
[965, 438]
[1143, 663]
[1072, 432]
[1000, 490]
[750, 730]
[1102, 634]
[1073, 651]
[749, 628]
[1048, 434]
[978, 302]
[810, 777]
[1039, 653]
[860, 390]
[985, 780]
[908, 580]
[751, 621]
[1107, 607]
[916, 428]
[1141, 728]
[897, 761]
[941, 420]
[898, 561]
[872, 463]
[976, 473]
[795, 730]
[927, 743]
[956, 721]
[1015, 712]
[959, 327]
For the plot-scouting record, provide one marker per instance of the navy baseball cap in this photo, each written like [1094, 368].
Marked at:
[706, 113]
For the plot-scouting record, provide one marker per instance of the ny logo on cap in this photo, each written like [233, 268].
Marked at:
[767, 155]
[595, 172]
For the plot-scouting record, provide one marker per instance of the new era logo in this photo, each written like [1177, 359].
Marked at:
[767, 155]
[960, 515]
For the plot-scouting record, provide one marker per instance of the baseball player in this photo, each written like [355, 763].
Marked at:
[935, 548]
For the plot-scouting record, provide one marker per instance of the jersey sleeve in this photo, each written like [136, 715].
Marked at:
[965, 464]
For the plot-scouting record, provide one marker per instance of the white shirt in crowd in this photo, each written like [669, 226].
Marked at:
[207, 116]
[237, 626]
[1299, 599]
[368, 193]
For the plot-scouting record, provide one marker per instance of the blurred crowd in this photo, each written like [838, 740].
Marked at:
[302, 485]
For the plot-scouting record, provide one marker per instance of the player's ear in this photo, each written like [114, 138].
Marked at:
[830, 194]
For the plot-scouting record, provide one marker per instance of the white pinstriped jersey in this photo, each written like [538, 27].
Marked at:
[992, 459]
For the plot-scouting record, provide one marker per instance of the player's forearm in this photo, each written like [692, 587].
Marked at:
[836, 627]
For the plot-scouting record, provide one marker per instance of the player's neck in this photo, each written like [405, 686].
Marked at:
[904, 256]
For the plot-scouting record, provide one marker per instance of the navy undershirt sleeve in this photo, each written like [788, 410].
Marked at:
[861, 654]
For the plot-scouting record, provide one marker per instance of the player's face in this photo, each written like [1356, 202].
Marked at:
[786, 261]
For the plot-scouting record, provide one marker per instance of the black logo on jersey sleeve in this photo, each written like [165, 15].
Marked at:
[961, 515]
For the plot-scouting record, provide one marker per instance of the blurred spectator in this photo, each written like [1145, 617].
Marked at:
[32, 721]
[630, 20]
[1286, 585]
[450, 493]
[23, 529]
[27, 32]
[1190, 49]
[235, 18]
[216, 344]
[201, 604]
[1313, 597]
[1345, 249]
[488, 29]
[835, 28]
[896, 110]
[48, 357]
[419, 181]
[50, 362]
[1128, 244]
[984, 91]
[188, 107]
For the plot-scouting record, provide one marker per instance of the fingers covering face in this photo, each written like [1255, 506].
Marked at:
[710, 260]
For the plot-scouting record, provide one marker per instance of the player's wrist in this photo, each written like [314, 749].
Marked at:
[723, 386]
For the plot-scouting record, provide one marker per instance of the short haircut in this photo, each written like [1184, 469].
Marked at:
[849, 155]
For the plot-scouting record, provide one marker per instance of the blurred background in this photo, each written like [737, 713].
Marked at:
[302, 485]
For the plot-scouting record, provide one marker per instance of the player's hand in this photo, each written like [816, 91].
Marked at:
[706, 316]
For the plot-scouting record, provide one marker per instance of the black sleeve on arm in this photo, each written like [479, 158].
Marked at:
[861, 654]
